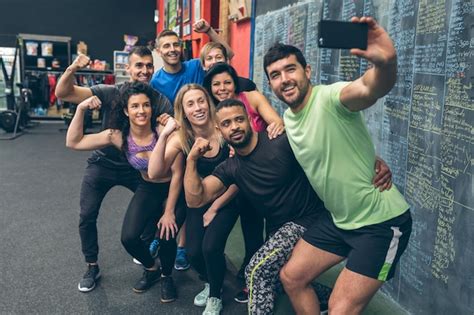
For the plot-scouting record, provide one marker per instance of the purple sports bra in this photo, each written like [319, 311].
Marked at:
[136, 162]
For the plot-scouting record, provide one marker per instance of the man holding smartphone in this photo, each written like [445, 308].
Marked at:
[329, 138]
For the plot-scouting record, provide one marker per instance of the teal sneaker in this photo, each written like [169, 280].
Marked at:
[213, 306]
[201, 298]
[181, 262]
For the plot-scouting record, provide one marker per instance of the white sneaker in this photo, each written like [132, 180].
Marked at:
[136, 261]
[201, 298]
[213, 306]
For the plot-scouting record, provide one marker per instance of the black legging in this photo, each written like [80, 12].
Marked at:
[252, 225]
[206, 245]
[147, 206]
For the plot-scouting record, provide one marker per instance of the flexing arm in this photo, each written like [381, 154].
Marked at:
[167, 224]
[163, 154]
[202, 26]
[199, 191]
[75, 138]
[378, 80]
[66, 90]
[260, 103]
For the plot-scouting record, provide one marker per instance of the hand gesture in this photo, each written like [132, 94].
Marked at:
[91, 103]
[201, 26]
[231, 151]
[171, 125]
[383, 176]
[274, 130]
[380, 50]
[208, 216]
[167, 226]
[163, 119]
[200, 147]
[80, 62]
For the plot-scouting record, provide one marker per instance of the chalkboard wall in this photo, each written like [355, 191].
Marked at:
[423, 129]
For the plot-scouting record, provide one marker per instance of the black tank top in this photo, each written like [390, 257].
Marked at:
[205, 165]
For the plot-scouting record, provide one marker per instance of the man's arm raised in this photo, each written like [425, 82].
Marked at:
[66, 90]
[199, 191]
[378, 80]
[202, 26]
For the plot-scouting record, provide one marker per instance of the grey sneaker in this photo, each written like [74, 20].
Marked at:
[213, 306]
[89, 279]
[201, 298]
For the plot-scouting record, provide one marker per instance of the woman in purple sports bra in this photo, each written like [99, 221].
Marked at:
[136, 135]
[221, 82]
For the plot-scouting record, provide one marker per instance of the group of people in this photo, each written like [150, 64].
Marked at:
[221, 151]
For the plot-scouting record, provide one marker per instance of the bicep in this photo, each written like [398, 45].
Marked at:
[99, 140]
[213, 187]
[78, 95]
[177, 168]
[354, 95]
[172, 150]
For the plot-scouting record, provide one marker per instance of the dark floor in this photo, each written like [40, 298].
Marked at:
[41, 262]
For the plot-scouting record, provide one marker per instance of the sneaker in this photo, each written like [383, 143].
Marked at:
[323, 292]
[323, 309]
[168, 290]
[181, 262]
[213, 306]
[201, 298]
[154, 248]
[136, 261]
[89, 279]
[148, 279]
[242, 296]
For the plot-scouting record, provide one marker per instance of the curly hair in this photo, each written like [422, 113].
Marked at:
[121, 121]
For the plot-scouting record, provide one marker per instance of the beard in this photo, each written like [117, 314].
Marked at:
[295, 100]
[242, 143]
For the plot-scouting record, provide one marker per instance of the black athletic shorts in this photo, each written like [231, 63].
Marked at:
[372, 250]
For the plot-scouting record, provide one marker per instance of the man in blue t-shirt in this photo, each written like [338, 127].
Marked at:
[176, 73]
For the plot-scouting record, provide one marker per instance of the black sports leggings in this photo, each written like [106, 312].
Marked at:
[206, 245]
[147, 206]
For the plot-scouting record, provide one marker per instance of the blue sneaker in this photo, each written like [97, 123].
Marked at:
[154, 248]
[181, 262]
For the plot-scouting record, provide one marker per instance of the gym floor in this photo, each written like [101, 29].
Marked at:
[41, 261]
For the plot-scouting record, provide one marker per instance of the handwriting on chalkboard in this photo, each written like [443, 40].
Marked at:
[423, 128]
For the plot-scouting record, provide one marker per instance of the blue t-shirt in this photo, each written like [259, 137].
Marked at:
[170, 83]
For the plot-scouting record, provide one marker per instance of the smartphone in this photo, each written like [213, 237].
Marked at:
[343, 35]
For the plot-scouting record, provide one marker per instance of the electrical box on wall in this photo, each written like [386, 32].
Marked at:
[240, 10]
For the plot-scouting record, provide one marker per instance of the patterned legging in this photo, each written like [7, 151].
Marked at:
[263, 272]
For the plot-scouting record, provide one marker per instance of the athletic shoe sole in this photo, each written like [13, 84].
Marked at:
[168, 300]
[85, 290]
[180, 268]
[241, 301]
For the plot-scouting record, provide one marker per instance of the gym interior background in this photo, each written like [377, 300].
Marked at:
[423, 128]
